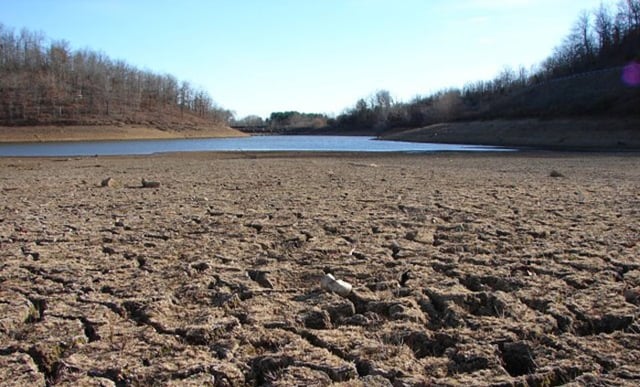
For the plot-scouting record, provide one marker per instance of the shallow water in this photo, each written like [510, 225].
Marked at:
[255, 143]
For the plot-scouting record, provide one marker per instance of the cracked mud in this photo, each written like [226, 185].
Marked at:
[505, 270]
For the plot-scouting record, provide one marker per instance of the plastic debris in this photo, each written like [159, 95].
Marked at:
[340, 287]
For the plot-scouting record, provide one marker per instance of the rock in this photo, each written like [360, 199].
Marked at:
[424, 236]
[108, 250]
[317, 319]
[150, 184]
[632, 295]
[109, 182]
[261, 277]
[555, 173]
[200, 266]
[341, 310]
[406, 276]
[256, 226]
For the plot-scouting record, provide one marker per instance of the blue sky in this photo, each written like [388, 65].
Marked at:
[259, 56]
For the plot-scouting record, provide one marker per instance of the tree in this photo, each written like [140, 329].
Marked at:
[604, 23]
[46, 83]
[251, 120]
[630, 10]
[382, 99]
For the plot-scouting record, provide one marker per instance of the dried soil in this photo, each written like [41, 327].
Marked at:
[484, 269]
[111, 132]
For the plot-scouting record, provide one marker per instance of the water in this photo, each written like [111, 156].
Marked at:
[256, 143]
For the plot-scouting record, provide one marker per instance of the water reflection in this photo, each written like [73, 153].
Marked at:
[257, 143]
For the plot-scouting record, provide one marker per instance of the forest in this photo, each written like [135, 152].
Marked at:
[583, 77]
[43, 82]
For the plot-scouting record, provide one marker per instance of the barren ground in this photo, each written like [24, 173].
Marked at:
[108, 132]
[586, 133]
[483, 269]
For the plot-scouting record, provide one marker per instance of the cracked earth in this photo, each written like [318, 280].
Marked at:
[467, 269]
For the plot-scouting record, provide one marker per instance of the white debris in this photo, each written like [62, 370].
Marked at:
[340, 287]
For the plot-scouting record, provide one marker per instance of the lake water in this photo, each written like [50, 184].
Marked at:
[255, 143]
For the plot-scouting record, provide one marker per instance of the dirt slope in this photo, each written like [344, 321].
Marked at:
[553, 134]
[108, 132]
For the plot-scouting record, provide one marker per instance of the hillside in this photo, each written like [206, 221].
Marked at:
[50, 133]
[577, 134]
[583, 111]
[598, 93]
[46, 84]
[594, 73]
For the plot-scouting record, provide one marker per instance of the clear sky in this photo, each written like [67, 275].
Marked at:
[259, 56]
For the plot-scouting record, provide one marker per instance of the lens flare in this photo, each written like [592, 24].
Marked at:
[631, 74]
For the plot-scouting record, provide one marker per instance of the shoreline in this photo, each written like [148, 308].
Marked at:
[82, 133]
[343, 155]
[553, 134]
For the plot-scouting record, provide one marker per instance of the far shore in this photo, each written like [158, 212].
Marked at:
[51, 133]
[558, 134]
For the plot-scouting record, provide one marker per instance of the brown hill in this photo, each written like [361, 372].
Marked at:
[619, 134]
[108, 132]
[48, 91]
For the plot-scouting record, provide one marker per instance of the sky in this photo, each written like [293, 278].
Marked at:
[255, 57]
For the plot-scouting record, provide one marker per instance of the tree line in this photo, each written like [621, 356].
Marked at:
[45, 82]
[598, 45]
[281, 122]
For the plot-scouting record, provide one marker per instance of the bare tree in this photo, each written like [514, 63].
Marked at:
[582, 38]
[630, 10]
[49, 82]
[603, 24]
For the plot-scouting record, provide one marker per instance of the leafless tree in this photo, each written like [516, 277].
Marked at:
[44, 82]
[604, 27]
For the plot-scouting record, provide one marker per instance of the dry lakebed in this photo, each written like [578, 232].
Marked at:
[519, 269]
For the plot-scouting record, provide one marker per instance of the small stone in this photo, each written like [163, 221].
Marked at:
[150, 184]
[109, 182]
[406, 276]
[200, 266]
[261, 277]
[555, 173]
[341, 310]
[411, 235]
[317, 319]
[632, 295]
